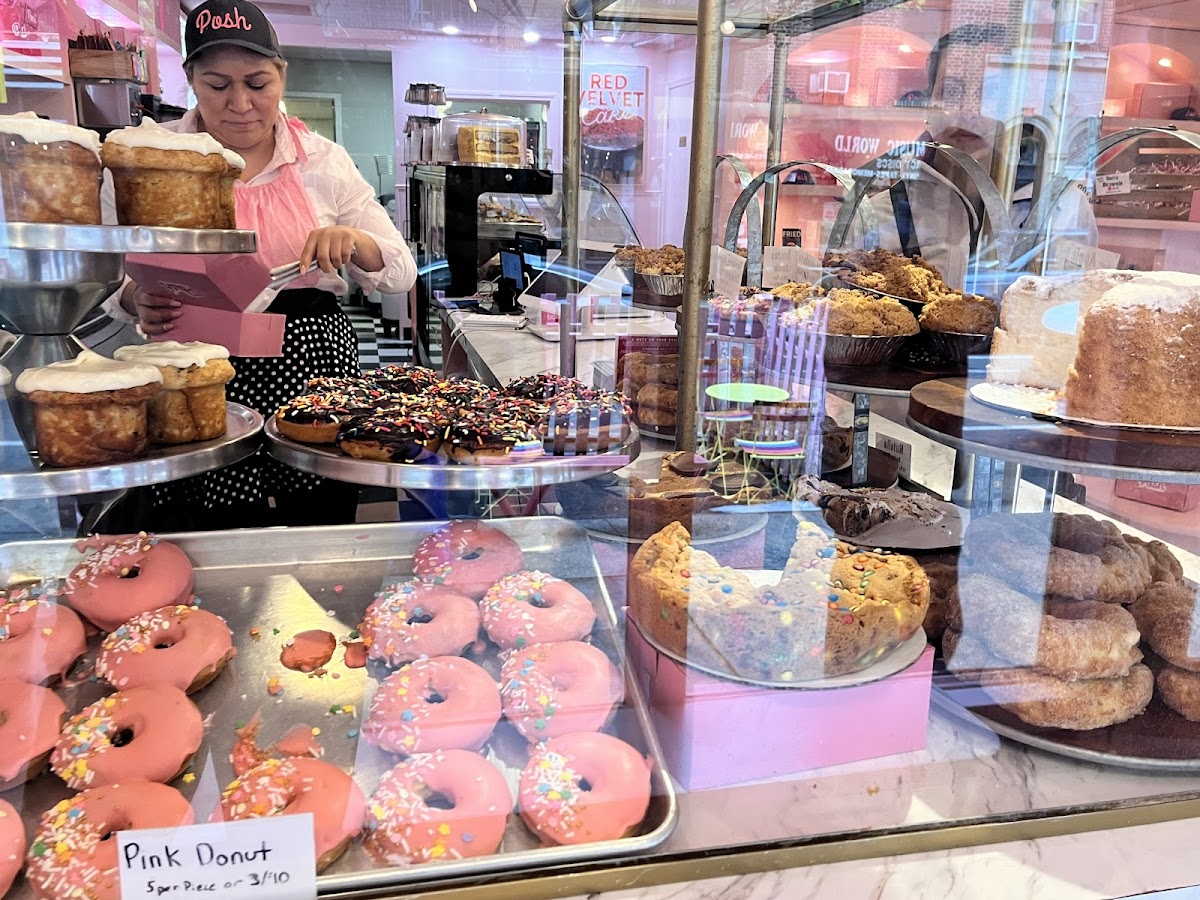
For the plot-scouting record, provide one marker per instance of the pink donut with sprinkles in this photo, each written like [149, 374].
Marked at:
[468, 557]
[74, 850]
[149, 733]
[184, 646]
[125, 576]
[12, 845]
[549, 690]
[414, 620]
[39, 639]
[584, 787]
[295, 786]
[535, 608]
[451, 804]
[443, 703]
[31, 718]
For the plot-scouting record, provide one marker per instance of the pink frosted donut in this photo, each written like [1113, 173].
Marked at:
[584, 787]
[39, 640]
[31, 718]
[414, 620]
[12, 845]
[74, 850]
[468, 557]
[443, 703]
[535, 608]
[549, 690]
[184, 646]
[125, 576]
[148, 732]
[295, 786]
[403, 827]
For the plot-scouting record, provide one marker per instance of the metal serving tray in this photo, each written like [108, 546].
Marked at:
[125, 239]
[162, 463]
[282, 581]
[441, 475]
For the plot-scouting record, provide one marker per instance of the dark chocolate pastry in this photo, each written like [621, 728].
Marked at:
[402, 379]
[544, 387]
[487, 434]
[395, 436]
[316, 418]
[463, 394]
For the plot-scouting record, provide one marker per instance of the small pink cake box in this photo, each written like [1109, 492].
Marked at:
[215, 290]
[715, 733]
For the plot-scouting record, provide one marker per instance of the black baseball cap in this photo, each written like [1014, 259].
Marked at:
[238, 23]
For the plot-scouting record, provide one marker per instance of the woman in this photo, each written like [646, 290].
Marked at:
[307, 201]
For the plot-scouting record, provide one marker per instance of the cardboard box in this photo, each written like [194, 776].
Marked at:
[1179, 497]
[243, 334]
[215, 290]
[716, 733]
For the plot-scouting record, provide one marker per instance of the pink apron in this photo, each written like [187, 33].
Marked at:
[280, 212]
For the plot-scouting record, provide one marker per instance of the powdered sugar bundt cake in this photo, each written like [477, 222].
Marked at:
[1137, 362]
[836, 609]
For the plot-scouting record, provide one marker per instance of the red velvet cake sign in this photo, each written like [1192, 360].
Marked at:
[612, 109]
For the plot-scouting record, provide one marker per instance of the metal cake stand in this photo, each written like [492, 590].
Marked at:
[441, 475]
[243, 435]
[53, 276]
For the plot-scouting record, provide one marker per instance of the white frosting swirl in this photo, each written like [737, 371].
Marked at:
[172, 353]
[5, 376]
[29, 127]
[150, 134]
[86, 374]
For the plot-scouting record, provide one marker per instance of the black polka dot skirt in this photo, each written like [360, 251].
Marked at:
[318, 341]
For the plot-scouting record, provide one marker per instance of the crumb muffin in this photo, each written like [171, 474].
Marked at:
[960, 314]
[90, 410]
[855, 313]
[890, 273]
[172, 180]
[51, 171]
[191, 406]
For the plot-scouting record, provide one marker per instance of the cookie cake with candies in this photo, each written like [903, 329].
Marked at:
[837, 608]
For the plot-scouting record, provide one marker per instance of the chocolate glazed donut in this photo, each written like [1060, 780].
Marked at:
[391, 437]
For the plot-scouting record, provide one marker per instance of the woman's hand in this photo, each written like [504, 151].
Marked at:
[333, 246]
[155, 314]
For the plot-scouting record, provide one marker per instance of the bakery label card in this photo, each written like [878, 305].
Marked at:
[1077, 256]
[897, 448]
[726, 272]
[1110, 185]
[271, 857]
[780, 265]
[784, 264]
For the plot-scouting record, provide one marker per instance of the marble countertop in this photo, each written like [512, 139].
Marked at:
[508, 353]
[1097, 866]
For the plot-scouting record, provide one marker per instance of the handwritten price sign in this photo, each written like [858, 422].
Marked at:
[266, 859]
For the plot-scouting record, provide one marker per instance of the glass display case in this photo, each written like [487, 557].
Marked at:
[875, 540]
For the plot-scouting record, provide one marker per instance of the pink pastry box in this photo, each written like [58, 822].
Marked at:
[715, 733]
[215, 291]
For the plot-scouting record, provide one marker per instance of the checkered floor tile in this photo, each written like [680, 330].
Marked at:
[374, 349]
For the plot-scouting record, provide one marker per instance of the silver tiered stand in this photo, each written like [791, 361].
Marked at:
[440, 475]
[51, 277]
